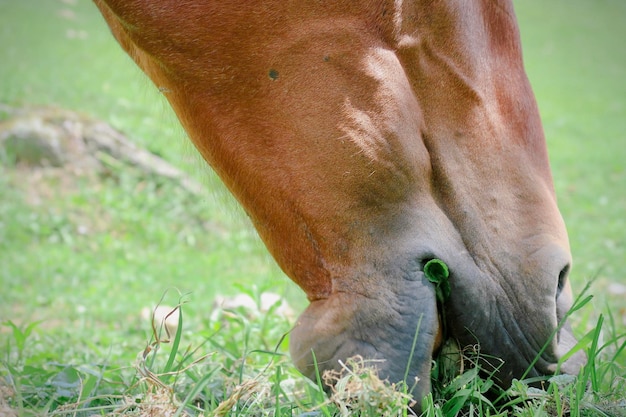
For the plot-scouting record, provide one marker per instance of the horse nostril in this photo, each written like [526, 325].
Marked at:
[562, 279]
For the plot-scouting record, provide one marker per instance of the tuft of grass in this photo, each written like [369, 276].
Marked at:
[356, 389]
[211, 373]
[598, 389]
[220, 372]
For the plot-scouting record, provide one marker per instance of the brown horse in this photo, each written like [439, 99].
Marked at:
[365, 138]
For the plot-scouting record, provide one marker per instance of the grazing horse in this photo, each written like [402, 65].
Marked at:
[363, 139]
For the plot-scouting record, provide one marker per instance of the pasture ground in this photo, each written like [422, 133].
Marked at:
[80, 257]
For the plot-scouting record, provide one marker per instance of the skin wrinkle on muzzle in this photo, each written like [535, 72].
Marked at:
[365, 334]
[510, 340]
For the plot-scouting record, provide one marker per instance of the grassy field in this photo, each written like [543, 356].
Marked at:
[79, 263]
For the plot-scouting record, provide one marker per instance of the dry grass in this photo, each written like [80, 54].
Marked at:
[356, 389]
[6, 393]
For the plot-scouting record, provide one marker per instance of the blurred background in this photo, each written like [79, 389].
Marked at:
[86, 247]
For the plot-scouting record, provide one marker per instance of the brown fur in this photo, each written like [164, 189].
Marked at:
[363, 137]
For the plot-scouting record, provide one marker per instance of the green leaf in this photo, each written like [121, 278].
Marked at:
[67, 382]
[437, 272]
[170, 360]
[89, 386]
[20, 335]
[461, 381]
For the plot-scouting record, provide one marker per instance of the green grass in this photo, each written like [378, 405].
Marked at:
[577, 65]
[77, 270]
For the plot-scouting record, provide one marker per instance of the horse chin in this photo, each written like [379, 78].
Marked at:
[333, 330]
